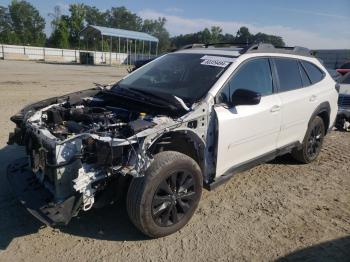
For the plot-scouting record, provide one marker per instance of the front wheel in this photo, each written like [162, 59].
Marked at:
[312, 143]
[165, 199]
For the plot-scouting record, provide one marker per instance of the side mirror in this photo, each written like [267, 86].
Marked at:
[245, 97]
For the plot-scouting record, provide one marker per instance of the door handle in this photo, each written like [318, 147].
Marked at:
[313, 98]
[275, 108]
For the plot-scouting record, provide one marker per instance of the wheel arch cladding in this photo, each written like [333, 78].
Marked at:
[324, 112]
[186, 142]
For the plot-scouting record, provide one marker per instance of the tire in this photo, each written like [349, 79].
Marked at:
[312, 144]
[164, 200]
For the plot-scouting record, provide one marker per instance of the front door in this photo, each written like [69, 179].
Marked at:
[247, 132]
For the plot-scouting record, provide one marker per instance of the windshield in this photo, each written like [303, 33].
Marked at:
[187, 76]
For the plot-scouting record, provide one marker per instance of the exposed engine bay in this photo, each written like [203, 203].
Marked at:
[91, 137]
[65, 120]
[83, 145]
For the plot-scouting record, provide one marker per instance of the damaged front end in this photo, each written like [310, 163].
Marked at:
[82, 148]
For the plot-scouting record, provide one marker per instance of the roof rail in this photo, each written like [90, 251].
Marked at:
[195, 45]
[269, 48]
[192, 46]
[232, 44]
[255, 48]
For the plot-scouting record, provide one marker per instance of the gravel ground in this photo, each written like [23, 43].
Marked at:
[276, 211]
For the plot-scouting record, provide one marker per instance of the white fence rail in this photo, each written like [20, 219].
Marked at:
[15, 52]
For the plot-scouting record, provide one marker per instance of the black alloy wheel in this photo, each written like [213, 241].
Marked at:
[315, 141]
[174, 197]
[166, 197]
[312, 143]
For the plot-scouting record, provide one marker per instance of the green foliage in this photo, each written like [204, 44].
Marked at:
[272, 39]
[93, 16]
[76, 23]
[4, 25]
[243, 36]
[120, 17]
[21, 23]
[106, 45]
[157, 29]
[60, 36]
[215, 36]
[204, 36]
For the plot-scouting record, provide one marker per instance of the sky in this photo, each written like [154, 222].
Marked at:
[316, 24]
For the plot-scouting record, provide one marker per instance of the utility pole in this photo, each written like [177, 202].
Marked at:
[110, 53]
[135, 51]
[3, 52]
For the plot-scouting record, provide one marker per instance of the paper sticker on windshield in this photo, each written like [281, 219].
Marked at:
[219, 61]
[215, 63]
[218, 58]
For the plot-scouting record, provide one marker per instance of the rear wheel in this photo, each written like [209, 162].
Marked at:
[165, 199]
[312, 143]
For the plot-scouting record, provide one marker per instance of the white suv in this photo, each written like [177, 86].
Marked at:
[188, 119]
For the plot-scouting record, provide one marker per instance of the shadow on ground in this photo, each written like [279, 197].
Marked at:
[14, 220]
[108, 223]
[69, 63]
[334, 250]
[112, 222]
[286, 159]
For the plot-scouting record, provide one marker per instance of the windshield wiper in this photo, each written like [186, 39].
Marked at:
[138, 96]
[174, 100]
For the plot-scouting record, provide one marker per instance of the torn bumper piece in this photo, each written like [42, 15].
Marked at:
[343, 119]
[36, 198]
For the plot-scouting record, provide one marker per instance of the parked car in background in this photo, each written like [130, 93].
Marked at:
[140, 63]
[343, 118]
[345, 68]
[335, 74]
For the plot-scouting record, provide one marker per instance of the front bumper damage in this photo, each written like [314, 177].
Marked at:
[90, 168]
[36, 198]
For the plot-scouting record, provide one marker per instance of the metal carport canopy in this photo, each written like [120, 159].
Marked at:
[114, 32]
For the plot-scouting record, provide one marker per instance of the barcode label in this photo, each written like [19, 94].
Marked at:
[215, 63]
[218, 58]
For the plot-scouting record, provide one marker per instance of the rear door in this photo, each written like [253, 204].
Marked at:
[298, 102]
[246, 132]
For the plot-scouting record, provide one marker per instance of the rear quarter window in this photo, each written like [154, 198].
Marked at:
[315, 74]
[304, 77]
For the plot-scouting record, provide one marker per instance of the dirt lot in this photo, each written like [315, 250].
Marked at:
[280, 210]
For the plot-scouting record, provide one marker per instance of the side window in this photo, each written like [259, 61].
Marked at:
[253, 75]
[288, 74]
[314, 73]
[304, 77]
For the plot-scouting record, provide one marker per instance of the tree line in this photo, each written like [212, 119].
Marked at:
[21, 23]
